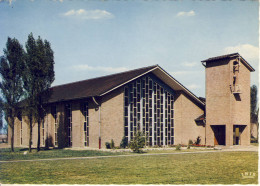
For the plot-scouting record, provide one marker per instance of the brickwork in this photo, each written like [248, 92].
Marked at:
[112, 121]
[186, 111]
[222, 106]
[112, 118]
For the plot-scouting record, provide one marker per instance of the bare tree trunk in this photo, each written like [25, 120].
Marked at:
[12, 139]
[30, 135]
[39, 135]
[11, 124]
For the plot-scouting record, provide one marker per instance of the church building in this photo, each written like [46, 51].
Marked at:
[91, 112]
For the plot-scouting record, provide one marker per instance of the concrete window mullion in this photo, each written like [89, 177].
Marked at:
[163, 117]
[153, 114]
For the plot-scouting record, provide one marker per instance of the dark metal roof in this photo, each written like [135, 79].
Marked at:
[202, 99]
[94, 87]
[220, 57]
[230, 56]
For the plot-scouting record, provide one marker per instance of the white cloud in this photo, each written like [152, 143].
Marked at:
[190, 64]
[99, 68]
[89, 14]
[193, 86]
[186, 14]
[11, 1]
[248, 51]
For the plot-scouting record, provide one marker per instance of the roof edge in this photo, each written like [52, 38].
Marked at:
[158, 67]
[155, 66]
[103, 76]
[230, 56]
[184, 88]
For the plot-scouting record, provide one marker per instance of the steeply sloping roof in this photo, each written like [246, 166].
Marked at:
[103, 85]
[95, 86]
[230, 56]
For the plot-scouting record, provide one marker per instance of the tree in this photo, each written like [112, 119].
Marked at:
[38, 77]
[1, 113]
[138, 142]
[11, 68]
[254, 110]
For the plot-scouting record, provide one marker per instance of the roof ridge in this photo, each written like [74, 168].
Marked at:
[225, 55]
[105, 76]
[229, 56]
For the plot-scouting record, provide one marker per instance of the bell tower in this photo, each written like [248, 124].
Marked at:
[227, 100]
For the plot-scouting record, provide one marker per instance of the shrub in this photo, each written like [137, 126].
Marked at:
[138, 142]
[197, 142]
[254, 140]
[190, 142]
[124, 142]
[108, 146]
[112, 144]
[178, 147]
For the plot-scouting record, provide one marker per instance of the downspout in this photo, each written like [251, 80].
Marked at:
[99, 121]
[46, 126]
[204, 122]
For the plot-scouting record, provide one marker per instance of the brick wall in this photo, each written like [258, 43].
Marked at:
[222, 107]
[185, 113]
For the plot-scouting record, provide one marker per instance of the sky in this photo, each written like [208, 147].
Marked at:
[97, 38]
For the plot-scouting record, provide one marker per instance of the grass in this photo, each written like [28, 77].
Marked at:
[255, 144]
[206, 168]
[5, 154]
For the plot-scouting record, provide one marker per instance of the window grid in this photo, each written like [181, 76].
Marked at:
[149, 107]
[86, 124]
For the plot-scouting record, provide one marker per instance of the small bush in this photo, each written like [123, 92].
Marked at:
[190, 142]
[178, 147]
[124, 142]
[112, 144]
[108, 146]
[197, 142]
[254, 140]
[138, 142]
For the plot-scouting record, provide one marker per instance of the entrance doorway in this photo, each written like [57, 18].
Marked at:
[219, 134]
[237, 131]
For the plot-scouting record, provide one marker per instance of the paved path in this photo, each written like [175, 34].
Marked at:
[255, 149]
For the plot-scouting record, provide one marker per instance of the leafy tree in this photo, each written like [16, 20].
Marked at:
[253, 100]
[254, 110]
[124, 142]
[38, 77]
[1, 114]
[138, 142]
[11, 68]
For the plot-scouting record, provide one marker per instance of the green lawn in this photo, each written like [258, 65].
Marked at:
[255, 144]
[5, 154]
[206, 168]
